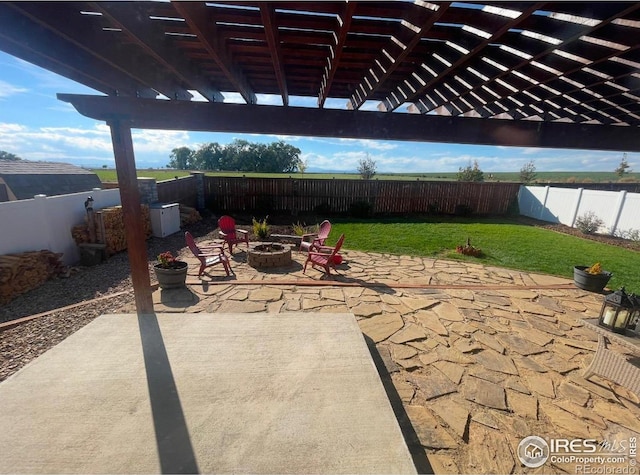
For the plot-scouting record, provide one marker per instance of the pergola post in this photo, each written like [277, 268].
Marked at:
[132, 213]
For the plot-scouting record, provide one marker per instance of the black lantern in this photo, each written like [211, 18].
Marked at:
[617, 311]
[88, 205]
[634, 319]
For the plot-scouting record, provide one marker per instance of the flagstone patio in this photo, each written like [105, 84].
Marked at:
[479, 357]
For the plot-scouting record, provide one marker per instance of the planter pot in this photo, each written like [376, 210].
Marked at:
[172, 278]
[591, 282]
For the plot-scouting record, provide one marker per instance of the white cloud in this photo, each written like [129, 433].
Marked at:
[7, 89]
[158, 141]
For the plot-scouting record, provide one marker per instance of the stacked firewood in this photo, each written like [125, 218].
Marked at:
[109, 229]
[25, 271]
[80, 233]
[189, 215]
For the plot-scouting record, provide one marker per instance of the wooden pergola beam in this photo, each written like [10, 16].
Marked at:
[263, 119]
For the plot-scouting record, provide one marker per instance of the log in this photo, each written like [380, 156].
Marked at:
[20, 273]
[189, 215]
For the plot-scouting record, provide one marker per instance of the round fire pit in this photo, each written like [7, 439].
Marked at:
[269, 255]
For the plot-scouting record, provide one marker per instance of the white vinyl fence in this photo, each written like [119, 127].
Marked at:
[619, 210]
[45, 222]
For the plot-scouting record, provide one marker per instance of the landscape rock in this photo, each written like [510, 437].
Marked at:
[451, 370]
[484, 393]
[453, 414]
[522, 405]
[489, 451]
[431, 321]
[541, 384]
[496, 362]
[430, 433]
[381, 327]
[447, 311]
[410, 332]
[432, 383]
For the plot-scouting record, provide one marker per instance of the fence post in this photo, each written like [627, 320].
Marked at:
[622, 195]
[148, 190]
[544, 202]
[199, 176]
[41, 201]
[577, 206]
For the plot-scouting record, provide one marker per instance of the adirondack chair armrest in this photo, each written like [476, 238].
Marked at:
[210, 254]
[211, 248]
[324, 249]
[305, 237]
[319, 254]
[242, 231]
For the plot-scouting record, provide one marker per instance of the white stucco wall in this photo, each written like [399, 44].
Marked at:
[45, 222]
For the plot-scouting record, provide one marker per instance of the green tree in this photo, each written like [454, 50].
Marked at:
[470, 173]
[286, 157]
[181, 158]
[366, 168]
[208, 156]
[238, 156]
[244, 156]
[9, 156]
[528, 172]
[623, 168]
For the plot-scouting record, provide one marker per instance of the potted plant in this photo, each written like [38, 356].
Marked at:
[171, 272]
[592, 278]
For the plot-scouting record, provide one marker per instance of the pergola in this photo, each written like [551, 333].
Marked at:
[538, 74]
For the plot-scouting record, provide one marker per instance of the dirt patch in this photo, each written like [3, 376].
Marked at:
[564, 229]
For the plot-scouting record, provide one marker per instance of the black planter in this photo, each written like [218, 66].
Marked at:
[591, 282]
[173, 277]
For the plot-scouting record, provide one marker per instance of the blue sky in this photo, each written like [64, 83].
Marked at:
[37, 126]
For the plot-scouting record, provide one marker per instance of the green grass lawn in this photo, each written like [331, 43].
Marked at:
[109, 174]
[504, 244]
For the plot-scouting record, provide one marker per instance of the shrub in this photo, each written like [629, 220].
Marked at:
[261, 228]
[300, 228]
[361, 209]
[367, 168]
[588, 223]
[470, 173]
[628, 234]
[528, 173]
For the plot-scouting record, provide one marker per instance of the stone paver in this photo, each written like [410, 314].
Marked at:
[477, 369]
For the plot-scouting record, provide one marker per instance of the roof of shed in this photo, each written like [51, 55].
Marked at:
[25, 167]
[26, 179]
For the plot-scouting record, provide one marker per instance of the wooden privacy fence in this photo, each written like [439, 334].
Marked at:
[182, 190]
[284, 195]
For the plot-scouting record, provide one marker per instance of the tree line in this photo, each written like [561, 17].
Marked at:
[240, 156]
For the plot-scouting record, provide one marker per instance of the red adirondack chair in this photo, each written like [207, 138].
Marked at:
[230, 234]
[326, 257]
[208, 256]
[313, 240]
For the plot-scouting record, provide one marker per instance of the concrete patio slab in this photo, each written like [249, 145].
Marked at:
[209, 393]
